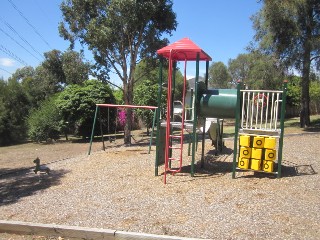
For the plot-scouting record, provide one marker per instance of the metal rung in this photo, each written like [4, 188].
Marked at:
[173, 170]
[174, 147]
[175, 136]
[174, 159]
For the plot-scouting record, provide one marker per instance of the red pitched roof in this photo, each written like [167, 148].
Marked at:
[184, 49]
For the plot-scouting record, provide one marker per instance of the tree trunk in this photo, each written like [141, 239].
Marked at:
[305, 97]
[305, 80]
[128, 101]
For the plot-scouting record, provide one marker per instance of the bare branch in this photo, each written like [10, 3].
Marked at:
[315, 57]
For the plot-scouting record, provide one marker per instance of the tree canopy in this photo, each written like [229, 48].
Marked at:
[219, 76]
[119, 33]
[257, 70]
[77, 104]
[290, 29]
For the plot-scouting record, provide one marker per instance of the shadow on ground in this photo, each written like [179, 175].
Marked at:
[213, 165]
[24, 182]
[219, 165]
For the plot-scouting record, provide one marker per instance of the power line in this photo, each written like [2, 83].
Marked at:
[8, 35]
[11, 54]
[28, 22]
[22, 38]
[5, 70]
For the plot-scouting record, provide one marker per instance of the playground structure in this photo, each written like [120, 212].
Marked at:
[256, 113]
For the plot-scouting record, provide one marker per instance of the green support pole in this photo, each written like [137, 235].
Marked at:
[206, 80]
[158, 119]
[283, 111]
[194, 131]
[101, 131]
[236, 130]
[153, 122]
[190, 136]
[204, 122]
[92, 133]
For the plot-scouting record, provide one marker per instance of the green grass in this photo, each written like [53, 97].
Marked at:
[291, 125]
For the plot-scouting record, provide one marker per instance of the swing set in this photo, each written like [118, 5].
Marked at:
[152, 108]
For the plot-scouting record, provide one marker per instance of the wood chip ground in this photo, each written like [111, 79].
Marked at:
[117, 189]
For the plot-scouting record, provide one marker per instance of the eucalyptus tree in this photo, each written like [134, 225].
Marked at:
[290, 29]
[219, 76]
[257, 70]
[119, 33]
[64, 68]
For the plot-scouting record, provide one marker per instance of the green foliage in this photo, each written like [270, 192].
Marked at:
[289, 29]
[239, 68]
[145, 72]
[178, 85]
[315, 91]
[14, 106]
[27, 88]
[257, 70]
[315, 95]
[145, 94]
[118, 95]
[77, 104]
[119, 33]
[64, 68]
[75, 69]
[44, 122]
[219, 76]
[294, 91]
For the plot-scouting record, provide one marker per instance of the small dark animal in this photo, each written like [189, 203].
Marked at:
[41, 169]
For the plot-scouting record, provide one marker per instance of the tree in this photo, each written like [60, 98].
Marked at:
[257, 70]
[64, 68]
[3, 111]
[144, 94]
[77, 104]
[294, 92]
[291, 30]
[239, 68]
[44, 122]
[14, 105]
[218, 75]
[119, 33]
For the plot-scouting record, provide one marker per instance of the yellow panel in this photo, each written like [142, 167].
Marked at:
[255, 164]
[243, 163]
[256, 153]
[245, 141]
[267, 166]
[258, 142]
[270, 143]
[270, 154]
[245, 152]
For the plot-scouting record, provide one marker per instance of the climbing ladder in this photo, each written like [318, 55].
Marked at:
[174, 130]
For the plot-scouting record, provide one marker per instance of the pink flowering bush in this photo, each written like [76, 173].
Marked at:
[122, 117]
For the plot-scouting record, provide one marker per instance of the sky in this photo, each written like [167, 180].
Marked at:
[28, 28]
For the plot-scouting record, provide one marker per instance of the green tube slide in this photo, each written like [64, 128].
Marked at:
[218, 103]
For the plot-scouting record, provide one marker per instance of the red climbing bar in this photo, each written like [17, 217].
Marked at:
[125, 106]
